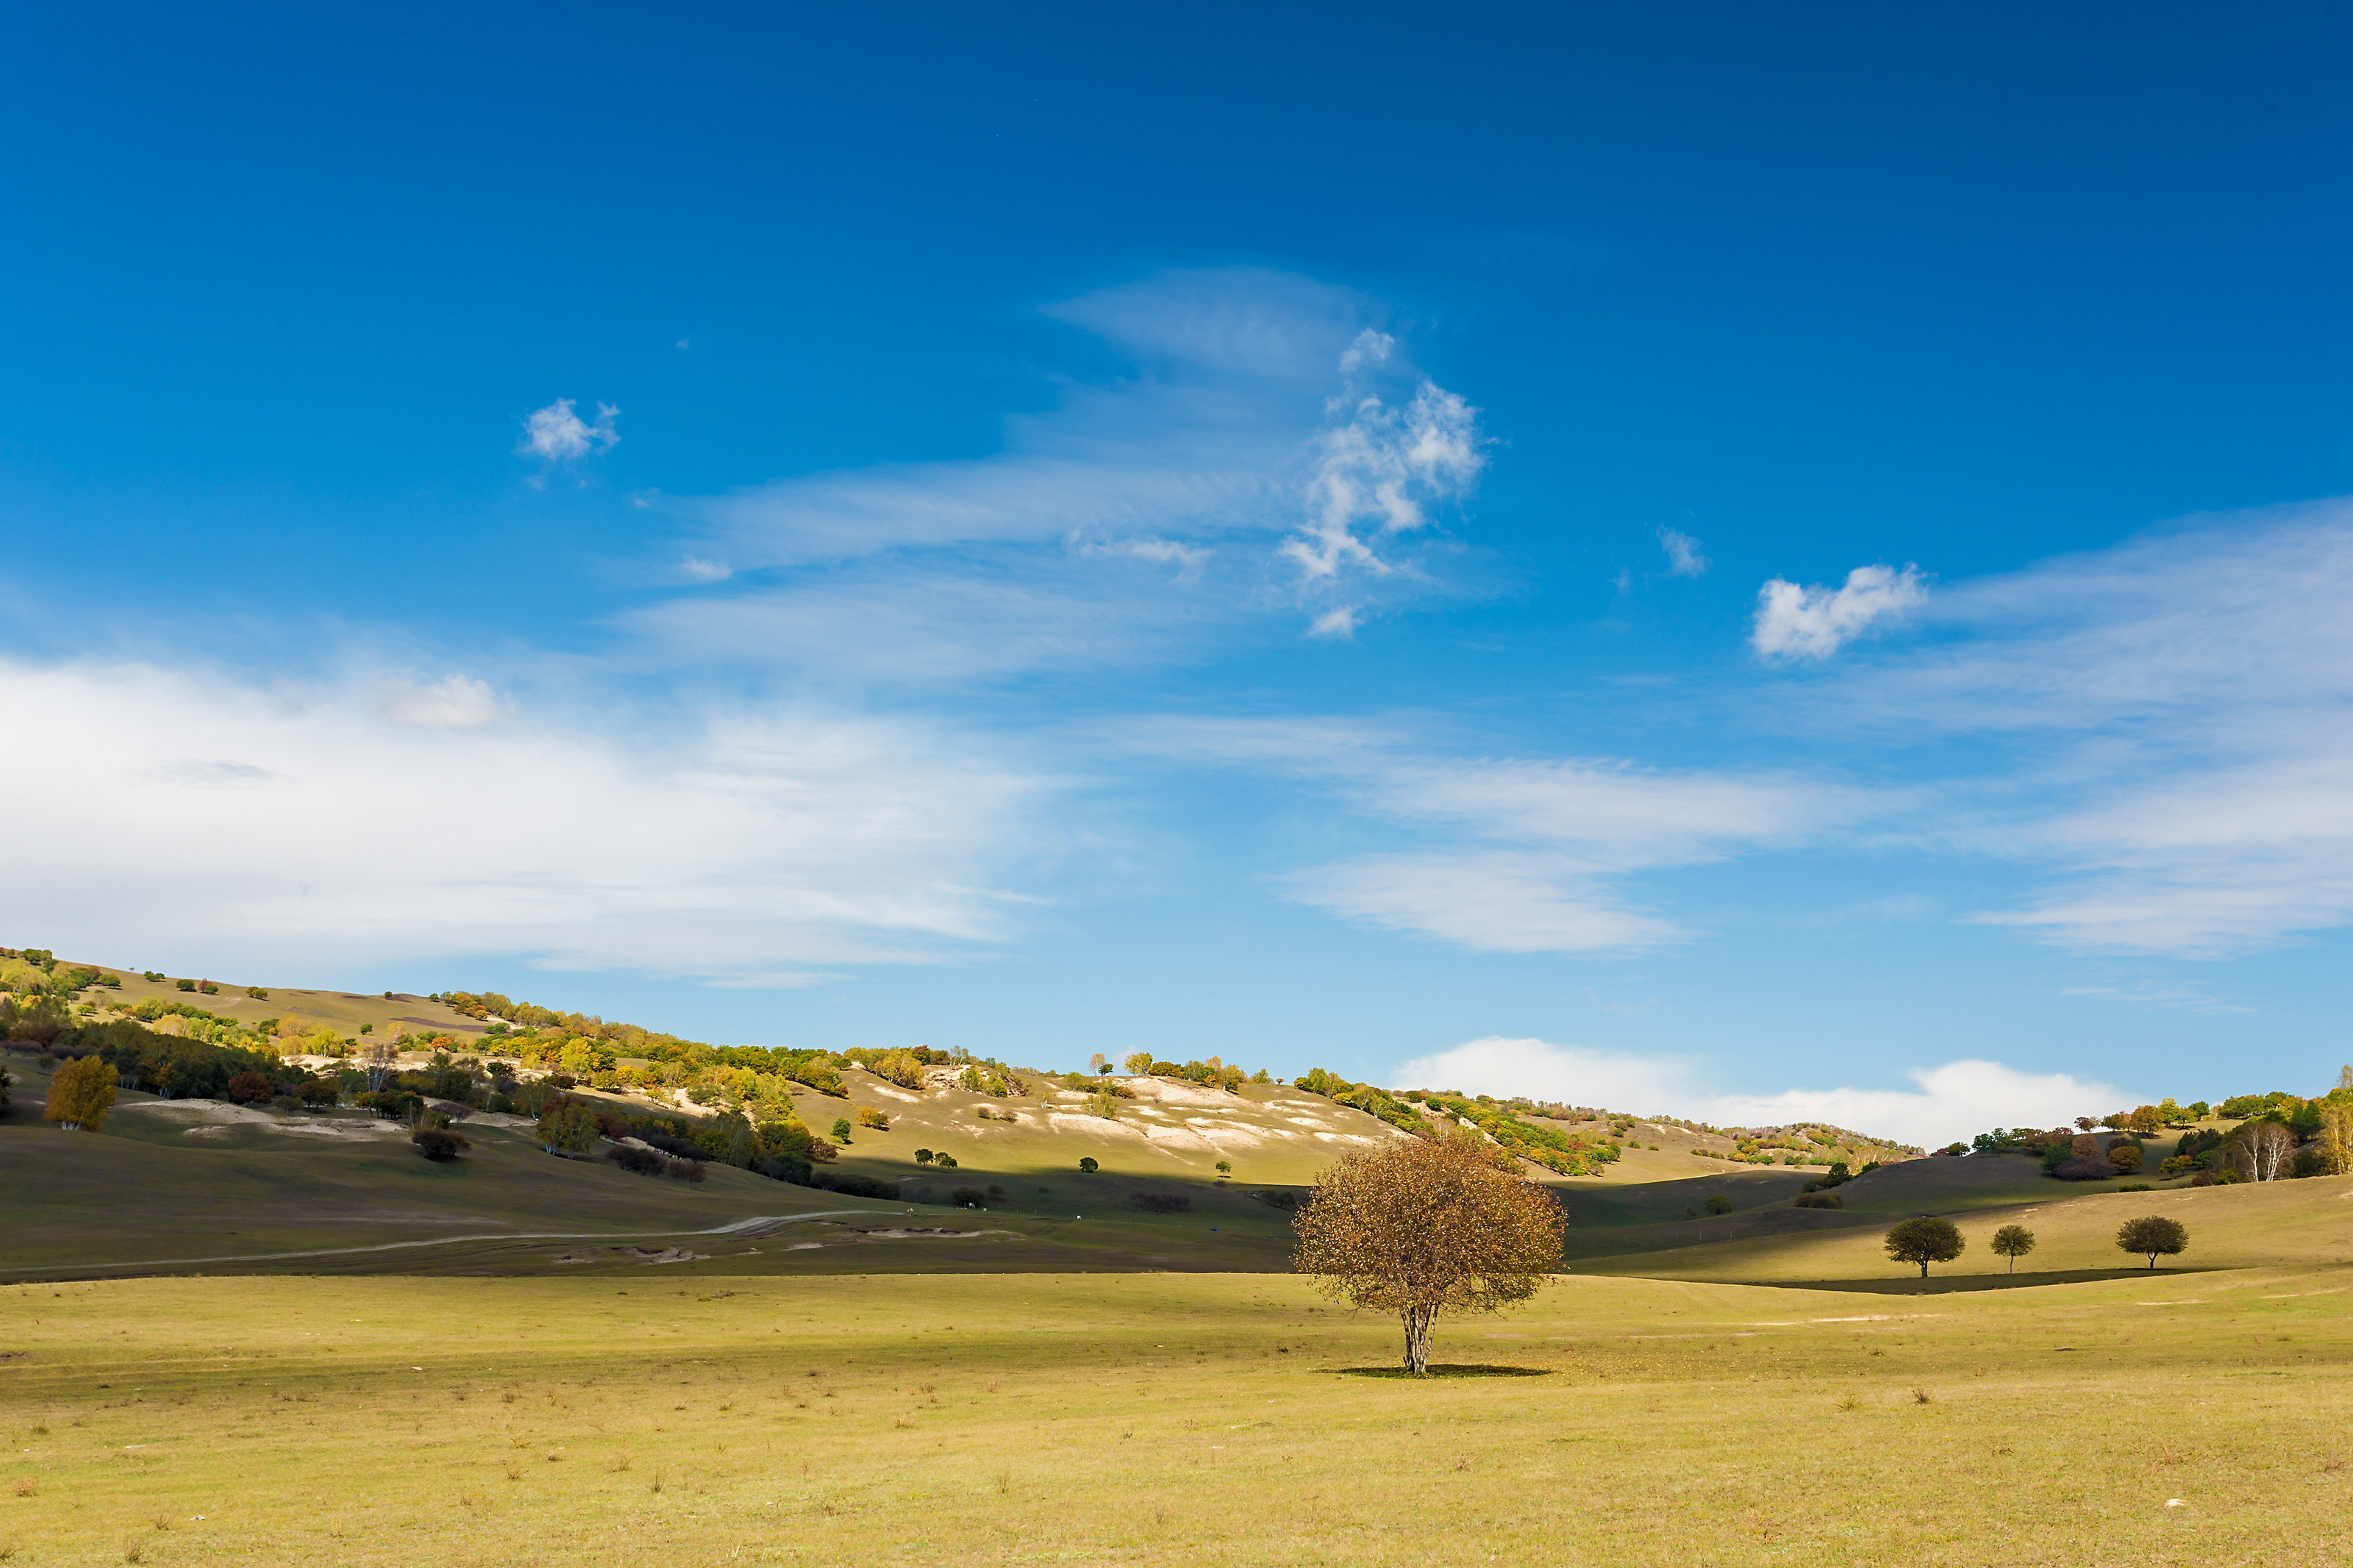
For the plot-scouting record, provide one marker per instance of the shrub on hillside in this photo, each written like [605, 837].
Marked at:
[436, 1145]
[2087, 1168]
[1818, 1201]
[644, 1162]
[841, 1128]
[870, 1117]
[1718, 1203]
[1287, 1202]
[1087, 1164]
[1161, 1202]
[967, 1197]
[2125, 1157]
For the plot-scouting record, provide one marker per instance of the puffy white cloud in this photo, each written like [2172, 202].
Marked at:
[1375, 473]
[1815, 623]
[266, 829]
[556, 434]
[1951, 1101]
[1684, 557]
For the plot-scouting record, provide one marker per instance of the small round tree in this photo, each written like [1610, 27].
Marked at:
[1087, 1164]
[2013, 1242]
[1924, 1240]
[2152, 1236]
[1424, 1226]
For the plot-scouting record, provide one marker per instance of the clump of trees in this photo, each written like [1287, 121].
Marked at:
[1424, 1227]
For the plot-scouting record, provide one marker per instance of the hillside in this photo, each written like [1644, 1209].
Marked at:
[945, 1164]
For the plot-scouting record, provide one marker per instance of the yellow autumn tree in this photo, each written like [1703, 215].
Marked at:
[80, 1094]
[1425, 1225]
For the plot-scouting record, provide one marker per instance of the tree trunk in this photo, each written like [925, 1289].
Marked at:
[1417, 1339]
[1923, 1271]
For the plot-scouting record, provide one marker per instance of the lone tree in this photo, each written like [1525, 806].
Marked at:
[2013, 1242]
[1425, 1225]
[2152, 1236]
[1924, 1240]
[80, 1094]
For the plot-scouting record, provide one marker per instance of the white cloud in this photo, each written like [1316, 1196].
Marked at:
[1492, 901]
[1815, 623]
[2162, 726]
[1341, 621]
[1520, 855]
[457, 701]
[269, 831]
[556, 434]
[1952, 1101]
[1376, 474]
[1223, 455]
[1684, 557]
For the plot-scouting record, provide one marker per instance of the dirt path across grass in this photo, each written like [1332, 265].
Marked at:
[756, 1225]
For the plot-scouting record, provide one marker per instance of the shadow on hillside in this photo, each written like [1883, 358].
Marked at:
[1474, 1369]
[1947, 1284]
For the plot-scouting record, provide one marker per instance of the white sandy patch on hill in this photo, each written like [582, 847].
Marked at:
[211, 1115]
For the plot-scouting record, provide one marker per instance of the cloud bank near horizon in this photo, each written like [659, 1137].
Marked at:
[1953, 1100]
[211, 822]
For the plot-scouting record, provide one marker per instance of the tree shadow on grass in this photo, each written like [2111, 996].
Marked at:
[1946, 1284]
[1437, 1369]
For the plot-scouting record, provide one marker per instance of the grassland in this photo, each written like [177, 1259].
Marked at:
[259, 1339]
[674, 1415]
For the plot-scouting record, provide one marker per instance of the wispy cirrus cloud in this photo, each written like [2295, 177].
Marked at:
[1508, 854]
[2163, 726]
[1269, 452]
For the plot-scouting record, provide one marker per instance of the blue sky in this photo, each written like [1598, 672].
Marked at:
[1762, 564]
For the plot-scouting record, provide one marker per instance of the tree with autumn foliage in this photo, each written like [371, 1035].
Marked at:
[80, 1094]
[1425, 1225]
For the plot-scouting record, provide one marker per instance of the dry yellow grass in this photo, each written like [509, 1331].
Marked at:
[660, 1416]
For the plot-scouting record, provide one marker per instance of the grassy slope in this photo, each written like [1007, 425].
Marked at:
[674, 1415]
[343, 1011]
